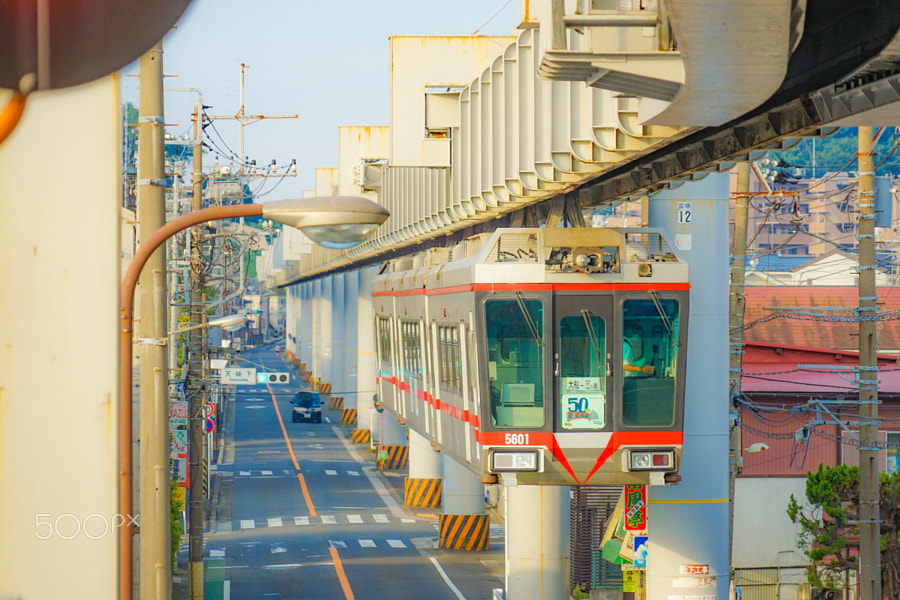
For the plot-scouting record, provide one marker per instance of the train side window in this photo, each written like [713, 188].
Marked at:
[582, 372]
[649, 353]
[515, 341]
[450, 366]
[411, 349]
[384, 338]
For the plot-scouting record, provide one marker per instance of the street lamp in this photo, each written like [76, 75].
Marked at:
[333, 222]
[227, 323]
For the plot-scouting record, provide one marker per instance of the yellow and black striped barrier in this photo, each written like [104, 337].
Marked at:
[464, 532]
[205, 479]
[336, 402]
[393, 457]
[362, 436]
[425, 493]
[348, 416]
[325, 388]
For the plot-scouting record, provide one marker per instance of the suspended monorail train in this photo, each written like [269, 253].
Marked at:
[546, 356]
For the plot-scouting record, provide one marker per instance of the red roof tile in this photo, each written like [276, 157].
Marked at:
[801, 327]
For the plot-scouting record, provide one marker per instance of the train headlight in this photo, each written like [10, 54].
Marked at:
[514, 460]
[651, 460]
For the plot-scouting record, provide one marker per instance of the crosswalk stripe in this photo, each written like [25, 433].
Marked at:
[354, 519]
[245, 473]
[266, 472]
[380, 518]
[396, 544]
[328, 520]
[301, 520]
[367, 543]
[275, 522]
[353, 473]
[337, 543]
[248, 523]
[330, 472]
[408, 520]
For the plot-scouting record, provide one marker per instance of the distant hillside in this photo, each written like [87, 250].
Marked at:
[834, 152]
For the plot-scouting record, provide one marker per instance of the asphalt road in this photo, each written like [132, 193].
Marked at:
[301, 512]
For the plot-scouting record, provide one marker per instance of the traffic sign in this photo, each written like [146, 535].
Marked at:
[210, 409]
[239, 376]
[210, 425]
[273, 378]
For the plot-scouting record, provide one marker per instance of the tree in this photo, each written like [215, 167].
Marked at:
[829, 535]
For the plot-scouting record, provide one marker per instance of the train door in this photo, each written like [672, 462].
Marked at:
[581, 361]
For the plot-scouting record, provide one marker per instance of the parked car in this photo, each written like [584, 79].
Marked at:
[307, 406]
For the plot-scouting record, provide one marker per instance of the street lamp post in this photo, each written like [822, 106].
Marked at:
[333, 222]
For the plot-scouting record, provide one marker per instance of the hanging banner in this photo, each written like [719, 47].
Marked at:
[635, 508]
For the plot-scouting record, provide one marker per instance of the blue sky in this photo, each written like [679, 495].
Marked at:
[326, 61]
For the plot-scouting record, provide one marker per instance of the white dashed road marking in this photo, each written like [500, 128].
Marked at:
[248, 524]
[275, 522]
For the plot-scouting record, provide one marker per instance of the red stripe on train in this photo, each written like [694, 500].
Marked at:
[536, 287]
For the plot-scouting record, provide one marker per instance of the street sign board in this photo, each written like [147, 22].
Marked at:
[640, 550]
[635, 508]
[239, 376]
[210, 425]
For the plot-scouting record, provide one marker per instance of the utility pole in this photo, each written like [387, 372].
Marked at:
[737, 303]
[196, 387]
[244, 119]
[155, 496]
[869, 485]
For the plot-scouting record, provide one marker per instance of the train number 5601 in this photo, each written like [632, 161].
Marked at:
[516, 439]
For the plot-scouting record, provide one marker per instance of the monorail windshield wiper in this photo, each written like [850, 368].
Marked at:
[532, 326]
[654, 295]
[592, 335]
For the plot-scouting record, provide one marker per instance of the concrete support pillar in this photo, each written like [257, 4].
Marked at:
[537, 542]
[349, 380]
[688, 522]
[336, 376]
[323, 365]
[423, 486]
[365, 353]
[392, 432]
[292, 322]
[463, 523]
[315, 359]
[305, 347]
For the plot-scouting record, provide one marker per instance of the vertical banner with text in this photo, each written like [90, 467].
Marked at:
[635, 508]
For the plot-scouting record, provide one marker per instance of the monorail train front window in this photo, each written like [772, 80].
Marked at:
[649, 351]
[582, 348]
[515, 334]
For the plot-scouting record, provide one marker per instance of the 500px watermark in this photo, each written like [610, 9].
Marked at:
[68, 526]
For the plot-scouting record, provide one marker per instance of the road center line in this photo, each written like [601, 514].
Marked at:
[287, 441]
[339, 568]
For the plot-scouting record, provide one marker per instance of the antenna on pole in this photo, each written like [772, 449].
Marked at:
[243, 120]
